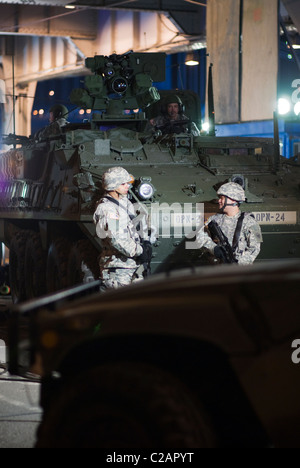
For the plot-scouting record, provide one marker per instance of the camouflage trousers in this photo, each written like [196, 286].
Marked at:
[113, 278]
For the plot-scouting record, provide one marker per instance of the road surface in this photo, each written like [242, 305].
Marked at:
[20, 412]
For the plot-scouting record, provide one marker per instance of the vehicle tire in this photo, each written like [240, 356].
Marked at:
[83, 265]
[17, 271]
[35, 267]
[124, 405]
[57, 265]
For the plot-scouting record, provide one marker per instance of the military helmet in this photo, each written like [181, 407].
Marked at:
[58, 111]
[232, 190]
[114, 177]
[170, 99]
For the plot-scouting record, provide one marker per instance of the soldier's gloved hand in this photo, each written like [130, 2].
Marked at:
[146, 256]
[219, 253]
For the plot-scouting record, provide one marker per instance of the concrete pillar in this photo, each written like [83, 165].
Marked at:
[242, 42]
[18, 103]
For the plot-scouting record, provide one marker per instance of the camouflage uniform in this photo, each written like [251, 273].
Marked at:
[119, 238]
[53, 129]
[249, 241]
[250, 237]
[59, 112]
[161, 120]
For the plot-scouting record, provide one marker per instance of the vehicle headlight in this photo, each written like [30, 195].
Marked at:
[145, 189]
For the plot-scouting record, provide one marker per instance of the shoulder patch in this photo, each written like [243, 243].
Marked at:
[256, 231]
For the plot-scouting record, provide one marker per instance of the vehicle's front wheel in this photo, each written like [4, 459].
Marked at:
[124, 405]
[35, 267]
[57, 265]
[17, 266]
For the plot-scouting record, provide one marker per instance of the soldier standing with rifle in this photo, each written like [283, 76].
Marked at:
[123, 250]
[231, 236]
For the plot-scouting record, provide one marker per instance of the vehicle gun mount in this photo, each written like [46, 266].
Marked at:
[120, 83]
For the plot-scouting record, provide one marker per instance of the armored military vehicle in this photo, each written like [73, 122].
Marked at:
[51, 182]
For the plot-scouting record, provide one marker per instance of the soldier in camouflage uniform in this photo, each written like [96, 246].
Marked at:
[250, 237]
[120, 241]
[172, 112]
[57, 120]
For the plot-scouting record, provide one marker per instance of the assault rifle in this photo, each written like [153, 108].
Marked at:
[12, 139]
[173, 126]
[226, 252]
[145, 258]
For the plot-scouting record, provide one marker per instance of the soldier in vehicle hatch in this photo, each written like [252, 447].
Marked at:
[58, 114]
[123, 251]
[57, 120]
[242, 233]
[172, 118]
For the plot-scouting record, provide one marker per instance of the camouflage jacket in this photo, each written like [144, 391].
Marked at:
[162, 120]
[52, 129]
[118, 236]
[249, 241]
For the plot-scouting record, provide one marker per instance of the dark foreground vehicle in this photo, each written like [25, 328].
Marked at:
[203, 358]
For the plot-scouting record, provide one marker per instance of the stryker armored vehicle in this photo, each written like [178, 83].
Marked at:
[50, 183]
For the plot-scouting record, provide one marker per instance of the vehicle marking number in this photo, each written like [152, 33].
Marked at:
[276, 217]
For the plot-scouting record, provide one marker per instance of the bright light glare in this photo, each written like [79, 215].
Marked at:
[205, 126]
[297, 108]
[146, 191]
[283, 106]
[192, 63]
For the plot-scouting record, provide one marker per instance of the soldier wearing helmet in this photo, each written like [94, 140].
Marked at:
[120, 241]
[241, 229]
[172, 118]
[58, 113]
[57, 120]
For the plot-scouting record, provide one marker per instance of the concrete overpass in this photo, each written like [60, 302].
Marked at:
[40, 39]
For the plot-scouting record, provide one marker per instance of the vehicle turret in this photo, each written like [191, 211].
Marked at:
[120, 83]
